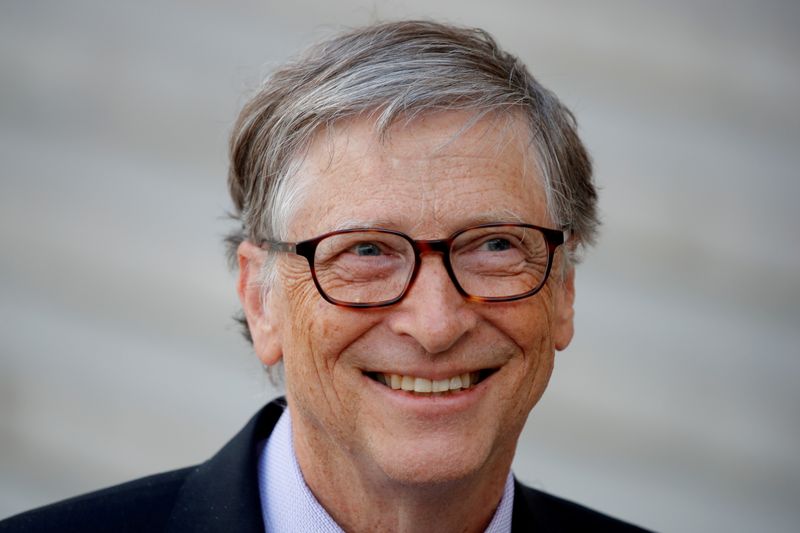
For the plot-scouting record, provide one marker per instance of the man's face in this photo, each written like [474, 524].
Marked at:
[426, 181]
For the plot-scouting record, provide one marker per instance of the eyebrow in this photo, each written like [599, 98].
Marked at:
[354, 223]
[486, 217]
[499, 215]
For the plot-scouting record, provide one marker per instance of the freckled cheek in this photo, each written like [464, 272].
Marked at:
[298, 297]
[298, 292]
[526, 324]
[321, 333]
[300, 313]
[339, 333]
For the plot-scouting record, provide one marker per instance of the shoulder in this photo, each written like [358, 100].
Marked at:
[537, 510]
[141, 505]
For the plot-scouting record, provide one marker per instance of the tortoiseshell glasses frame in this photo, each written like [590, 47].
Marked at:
[308, 248]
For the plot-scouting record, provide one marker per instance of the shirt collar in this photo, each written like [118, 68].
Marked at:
[288, 504]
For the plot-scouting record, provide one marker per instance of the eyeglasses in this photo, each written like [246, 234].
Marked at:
[373, 267]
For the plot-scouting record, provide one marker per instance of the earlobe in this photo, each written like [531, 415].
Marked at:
[262, 321]
[564, 312]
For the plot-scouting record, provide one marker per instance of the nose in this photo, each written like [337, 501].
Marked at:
[432, 311]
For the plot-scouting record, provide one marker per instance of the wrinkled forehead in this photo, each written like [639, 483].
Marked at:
[429, 134]
[420, 159]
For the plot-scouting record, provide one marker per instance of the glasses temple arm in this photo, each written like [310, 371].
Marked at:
[278, 246]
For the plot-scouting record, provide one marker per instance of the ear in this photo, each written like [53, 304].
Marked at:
[564, 311]
[262, 320]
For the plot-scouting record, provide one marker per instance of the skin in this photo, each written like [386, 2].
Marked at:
[382, 459]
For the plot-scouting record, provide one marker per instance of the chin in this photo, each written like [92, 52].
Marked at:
[434, 461]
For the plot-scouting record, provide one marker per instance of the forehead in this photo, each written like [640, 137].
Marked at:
[428, 176]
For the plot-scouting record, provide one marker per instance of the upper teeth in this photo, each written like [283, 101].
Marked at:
[425, 385]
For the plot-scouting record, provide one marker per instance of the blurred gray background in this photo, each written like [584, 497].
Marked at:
[676, 407]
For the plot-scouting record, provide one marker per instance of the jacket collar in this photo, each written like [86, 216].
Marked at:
[222, 493]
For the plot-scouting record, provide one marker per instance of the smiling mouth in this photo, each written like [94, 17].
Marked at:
[425, 386]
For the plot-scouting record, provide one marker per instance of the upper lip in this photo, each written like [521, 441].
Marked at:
[432, 374]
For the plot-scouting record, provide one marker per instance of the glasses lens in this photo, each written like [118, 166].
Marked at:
[363, 267]
[500, 261]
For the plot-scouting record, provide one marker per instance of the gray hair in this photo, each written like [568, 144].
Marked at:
[388, 71]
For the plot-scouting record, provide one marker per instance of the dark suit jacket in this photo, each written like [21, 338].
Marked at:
[222, 495]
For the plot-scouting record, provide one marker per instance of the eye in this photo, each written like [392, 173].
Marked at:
[364, 249]
[497, 244]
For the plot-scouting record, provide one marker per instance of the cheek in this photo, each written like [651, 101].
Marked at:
[299, 296]
[527, 323]
[528, 326]
[298, 300]
[318, 332]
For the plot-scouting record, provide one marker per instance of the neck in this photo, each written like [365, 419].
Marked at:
[361, 497]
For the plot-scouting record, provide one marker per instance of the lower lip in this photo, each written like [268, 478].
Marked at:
[427, 405]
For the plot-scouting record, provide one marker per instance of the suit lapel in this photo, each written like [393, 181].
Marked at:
[222, 494]
[528, 514]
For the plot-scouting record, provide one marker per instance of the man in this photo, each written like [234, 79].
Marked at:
[411, 203]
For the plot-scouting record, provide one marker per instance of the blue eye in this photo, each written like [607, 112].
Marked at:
[497, 245]
[367, 249]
